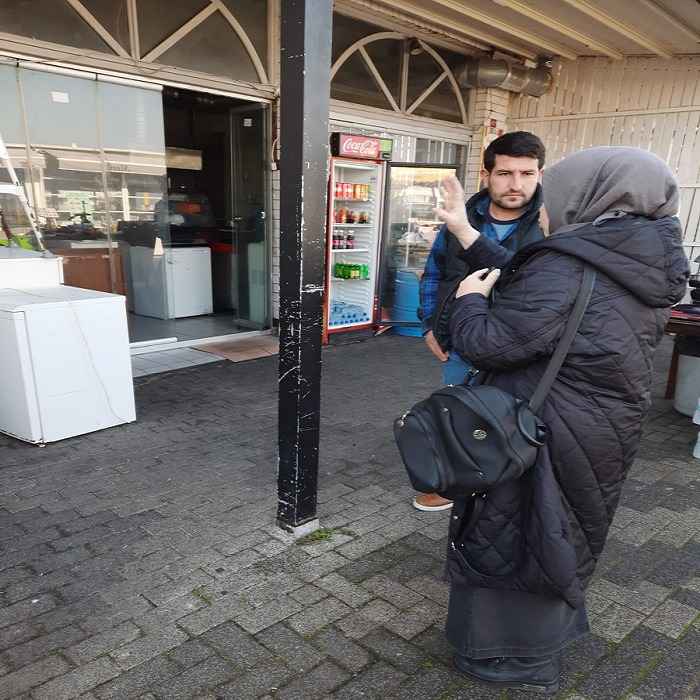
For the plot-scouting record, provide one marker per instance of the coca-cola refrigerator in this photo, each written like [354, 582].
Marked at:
[357, 172]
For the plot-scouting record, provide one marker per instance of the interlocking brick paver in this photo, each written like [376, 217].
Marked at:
[207, 674]
[104, 642]
[254, 683]
[190, 653]
[309, 594]
[318, 615]
[31, 676]
[297, 653]
[415, 620]
[139, 679]
[36, 648]
[378, 681]
[616, 622]
[231, 642]
[26, 609]
[344, 590]
[632, 598]
[317, 567]
[364, 620]
[76, 682]
[258, 619]
[152, 552]
[213, 615]
[333, 643]
[315, 684]
[363, 545]
[394, 650]
[147, 647]
[392, 592]
[672, 618]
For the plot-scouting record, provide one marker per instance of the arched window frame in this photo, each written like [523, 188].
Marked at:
[401, 106]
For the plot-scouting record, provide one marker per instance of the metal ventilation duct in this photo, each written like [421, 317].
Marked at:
[489, 72]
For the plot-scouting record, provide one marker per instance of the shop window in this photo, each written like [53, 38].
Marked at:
[62, 122]
[252, 15]
[347, 31]
[368, 70]
[10, 114]
[60, 110]
[155, 25]
[212, 47]
[354, 83]
[440, 104]
[387, 57]
[132, 118]
[49, 20]
[113, 16]
[15, 226]
[422, 71]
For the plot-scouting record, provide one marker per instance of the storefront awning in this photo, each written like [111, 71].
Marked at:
[528, 29]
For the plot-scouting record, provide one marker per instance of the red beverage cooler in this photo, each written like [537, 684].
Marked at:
[357, 172]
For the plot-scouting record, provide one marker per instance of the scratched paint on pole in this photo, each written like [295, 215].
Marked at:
[305, 90]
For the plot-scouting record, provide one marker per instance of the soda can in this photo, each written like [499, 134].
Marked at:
[357, 191]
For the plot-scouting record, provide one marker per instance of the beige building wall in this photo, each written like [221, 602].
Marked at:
[646, 102]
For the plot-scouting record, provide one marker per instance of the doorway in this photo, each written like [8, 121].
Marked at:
[207, 276]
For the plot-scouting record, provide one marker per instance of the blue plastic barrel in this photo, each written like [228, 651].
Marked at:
[406, 301]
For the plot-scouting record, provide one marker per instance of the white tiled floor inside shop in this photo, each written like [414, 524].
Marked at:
[168, 360]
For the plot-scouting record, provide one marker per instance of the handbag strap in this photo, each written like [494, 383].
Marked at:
[564, 345]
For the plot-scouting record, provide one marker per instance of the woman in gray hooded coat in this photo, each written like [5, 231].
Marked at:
[517, 590]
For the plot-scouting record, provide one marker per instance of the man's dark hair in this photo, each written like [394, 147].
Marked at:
[516, 144]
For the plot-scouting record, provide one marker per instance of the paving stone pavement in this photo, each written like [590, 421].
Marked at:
[143, 561]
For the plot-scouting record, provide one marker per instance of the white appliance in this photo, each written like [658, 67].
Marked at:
[27, 268]
[171, 282]
[66, 367]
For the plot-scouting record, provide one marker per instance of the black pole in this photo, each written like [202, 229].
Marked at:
[305, 89]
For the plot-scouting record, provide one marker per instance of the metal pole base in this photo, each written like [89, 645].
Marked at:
[300, 530]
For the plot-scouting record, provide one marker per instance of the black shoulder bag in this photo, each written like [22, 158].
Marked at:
[464, 440]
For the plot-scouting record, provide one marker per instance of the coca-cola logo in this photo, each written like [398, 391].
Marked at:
[359, 147]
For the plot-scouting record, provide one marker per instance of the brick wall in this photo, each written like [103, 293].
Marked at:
[488, 111]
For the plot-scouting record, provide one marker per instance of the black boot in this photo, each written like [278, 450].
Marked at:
[535, 674]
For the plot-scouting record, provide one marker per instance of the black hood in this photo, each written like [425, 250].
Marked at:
[645, 256]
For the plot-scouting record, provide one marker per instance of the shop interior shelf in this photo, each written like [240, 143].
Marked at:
[350, 250]
[350, 279]
[354, 225]
[352, 199]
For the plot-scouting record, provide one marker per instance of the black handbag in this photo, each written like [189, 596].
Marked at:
[464, 440]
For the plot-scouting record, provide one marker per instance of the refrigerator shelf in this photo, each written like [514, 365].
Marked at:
[336, 326]
[344, 165]
[353, 225]
[349, 250]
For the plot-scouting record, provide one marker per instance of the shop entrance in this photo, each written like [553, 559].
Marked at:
[213, 224]
[153, 193]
